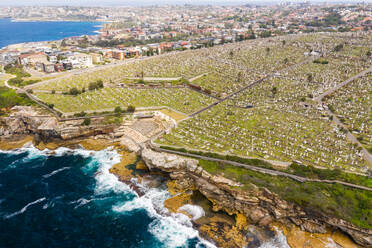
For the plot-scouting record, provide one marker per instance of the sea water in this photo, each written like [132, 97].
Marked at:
[68, 198]
[20, 32]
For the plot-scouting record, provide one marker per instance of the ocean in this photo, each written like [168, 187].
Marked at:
[19, 32]
[68, 198]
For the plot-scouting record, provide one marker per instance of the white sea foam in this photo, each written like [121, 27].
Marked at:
[172, 229]
[25, 208]
[279, 241]
[106, 181]
[195, 211]
[331, 244]
[56, 171]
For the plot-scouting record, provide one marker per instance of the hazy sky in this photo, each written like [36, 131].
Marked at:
[145, 2]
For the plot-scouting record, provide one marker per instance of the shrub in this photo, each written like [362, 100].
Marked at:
[9, 98]
[16, 70]
[74, 91]
[131, 109]
[53, 91]
[141, 81]
[86, 122]
[96, 85]
[118, 110]
[338, 48]
[81, 114]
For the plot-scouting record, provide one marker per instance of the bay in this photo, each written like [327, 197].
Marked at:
[20, 32]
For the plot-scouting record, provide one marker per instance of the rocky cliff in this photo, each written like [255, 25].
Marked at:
[24, 121]
[259, 205]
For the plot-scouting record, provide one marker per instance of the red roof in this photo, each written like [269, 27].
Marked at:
[22, 56]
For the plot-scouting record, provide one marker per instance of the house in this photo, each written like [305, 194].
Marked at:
[53, 59]
[59, 67]
[96, 58]
[67, 65]
[118, 54]
[80, 60]
[48, 67]
[30, 59]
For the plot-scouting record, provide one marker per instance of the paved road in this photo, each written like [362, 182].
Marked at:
[10, 86]
[330, 91]
[197, 77]
[349, 135]
[262, 170]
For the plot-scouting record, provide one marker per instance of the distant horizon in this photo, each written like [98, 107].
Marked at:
[115, 3]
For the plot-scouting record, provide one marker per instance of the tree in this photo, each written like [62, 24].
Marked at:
[267, 49]
[338, 48]
[283, 42]
[74, 91]
[118, 110]
[131, 109]
[96, 85]
[285, 61]
[100, 83]
[53, 91]
[369, 54]
[92, 86]
[86, 122]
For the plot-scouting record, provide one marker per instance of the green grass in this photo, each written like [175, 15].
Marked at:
[9, 98]
[183, 100]
[294, 168]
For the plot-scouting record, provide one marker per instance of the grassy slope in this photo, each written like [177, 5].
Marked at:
[334, 200]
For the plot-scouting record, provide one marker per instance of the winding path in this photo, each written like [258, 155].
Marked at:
[261, 170]
[349, 135]
[330, 91]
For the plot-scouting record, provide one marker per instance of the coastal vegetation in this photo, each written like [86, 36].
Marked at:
[9, 98]
[318, 198]
[294, 168]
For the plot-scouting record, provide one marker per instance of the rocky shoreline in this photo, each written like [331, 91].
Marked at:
[232, 209]
[255, 206]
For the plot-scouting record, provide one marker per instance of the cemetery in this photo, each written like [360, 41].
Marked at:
[275, 117]
[180, 99]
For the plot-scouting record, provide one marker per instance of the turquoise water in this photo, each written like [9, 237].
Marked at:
[19, 32]
[70, 199]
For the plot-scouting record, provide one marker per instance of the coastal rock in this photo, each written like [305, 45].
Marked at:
[259, 205]
[130, 145]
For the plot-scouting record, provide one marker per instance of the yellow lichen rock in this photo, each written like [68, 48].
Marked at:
[174, 188]
[223, 232]
[174, 203]
[121, 169]
[296, 238]
[13, 144]
[241, 222]
[141, 166]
